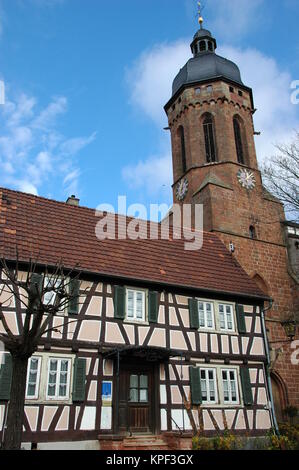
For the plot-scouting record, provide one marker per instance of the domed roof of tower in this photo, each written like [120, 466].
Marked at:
[205, 64]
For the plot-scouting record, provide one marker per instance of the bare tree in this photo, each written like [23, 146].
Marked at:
[42, 296]
[281, 176]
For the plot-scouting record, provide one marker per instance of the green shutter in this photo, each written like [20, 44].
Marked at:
[74, 291]
[196, 396]
[241, 319]
[153, 307]
[79, 384]
[119, 302]
[246, 386]
[193, 310]
[5, 378]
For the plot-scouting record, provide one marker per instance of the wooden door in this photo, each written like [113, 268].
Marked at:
[136, 399]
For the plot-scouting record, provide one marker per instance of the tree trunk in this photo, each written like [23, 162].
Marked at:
[15, 416]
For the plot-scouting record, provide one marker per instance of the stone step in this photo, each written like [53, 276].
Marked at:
[144, 441]
[145, 444]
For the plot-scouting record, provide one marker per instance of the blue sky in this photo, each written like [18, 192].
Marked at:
[86, 81]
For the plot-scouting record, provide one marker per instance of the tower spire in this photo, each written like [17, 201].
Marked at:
[200, 17]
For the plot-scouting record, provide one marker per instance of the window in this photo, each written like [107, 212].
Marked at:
[197, 91]
[50, 297]
[230, 386]
[202, 46]
[33, 378]
[209, 88]
[136, 305]
[210, 46]
[240, 93]
[208, 127]
[226, 317]
[252, 232]
[238, 139]
[231, 89]
[58, 379]
[206, 315]
[183, 148]
[208, 385]
[138, 388]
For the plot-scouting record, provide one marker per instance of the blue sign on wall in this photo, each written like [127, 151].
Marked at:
[107, 390]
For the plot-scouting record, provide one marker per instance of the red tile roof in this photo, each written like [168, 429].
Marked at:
[51, 231]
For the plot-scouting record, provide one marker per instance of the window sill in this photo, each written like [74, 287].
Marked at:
[136, 322]
[219, 332]
[222, 405]
[31, 402]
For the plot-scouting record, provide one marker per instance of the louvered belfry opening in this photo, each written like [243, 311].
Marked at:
[209, 133]
[239, 143]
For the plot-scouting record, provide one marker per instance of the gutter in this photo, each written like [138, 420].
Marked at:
[267, 371]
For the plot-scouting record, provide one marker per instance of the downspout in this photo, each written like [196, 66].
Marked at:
[267, 371]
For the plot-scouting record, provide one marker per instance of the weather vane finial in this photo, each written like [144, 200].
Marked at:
[200, 18]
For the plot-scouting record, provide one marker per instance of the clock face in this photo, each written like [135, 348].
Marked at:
[246, 179]
[182, 189]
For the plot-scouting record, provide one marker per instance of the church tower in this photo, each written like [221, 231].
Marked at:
[210, 116]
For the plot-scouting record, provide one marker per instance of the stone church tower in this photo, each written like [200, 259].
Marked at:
[210, 118]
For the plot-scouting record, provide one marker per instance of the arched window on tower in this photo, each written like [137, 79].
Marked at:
[209, 133]
[181, 134]
[238, 140]
[252, 232]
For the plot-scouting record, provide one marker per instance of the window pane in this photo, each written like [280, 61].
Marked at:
[134, 395]
[134, 381]
[143, 396]
[130, 304]
[222, 321]
[31, 390]
[210, 320]
[143, 381]
[202, 321]
[139, 305]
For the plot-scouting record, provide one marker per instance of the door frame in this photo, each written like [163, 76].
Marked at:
[154, 405]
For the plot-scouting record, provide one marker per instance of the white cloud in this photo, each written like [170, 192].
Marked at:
[33, 151]
[47, 117]
[276, 117]
[150, 80]
[153, 174]
[234, 18]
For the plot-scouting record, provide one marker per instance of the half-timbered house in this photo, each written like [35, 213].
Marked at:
[162, 340]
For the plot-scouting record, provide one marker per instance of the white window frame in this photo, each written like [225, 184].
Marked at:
[135, 319]
[226, 329]
[207, 370]
[56, 397]
[37, 385]
[220, 403]
[46, 282]
[205, 303]
[236, 374]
